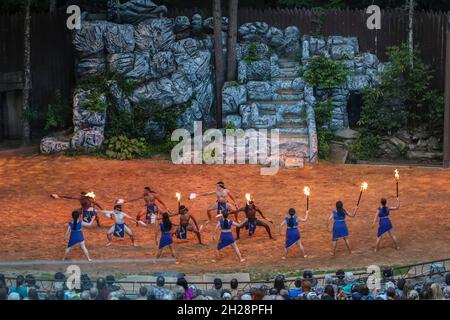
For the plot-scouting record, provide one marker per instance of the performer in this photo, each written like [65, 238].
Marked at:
[187, 223]
[251, 222]
[226, 236]
[221, 192]
[340, 229]
[147, 192]
[166, 240]
[76, 234]
[88, 205]
[120, 228]
[292, 232]
[223, 207]
[151, 211]
[385, 224]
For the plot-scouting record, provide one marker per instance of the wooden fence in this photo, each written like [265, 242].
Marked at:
[52, 58]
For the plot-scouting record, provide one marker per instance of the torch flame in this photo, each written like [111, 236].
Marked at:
[90, 195]
[397, 175]
[307, 191]
[364, 186]
[178, 196]
[248, 197]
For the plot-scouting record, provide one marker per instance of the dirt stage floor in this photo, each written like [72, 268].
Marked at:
[32, 224]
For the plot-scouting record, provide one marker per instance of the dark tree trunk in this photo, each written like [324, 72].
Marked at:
[53, 6]
[411, 31]
[26, 75]
[232, 40]
[219, 59]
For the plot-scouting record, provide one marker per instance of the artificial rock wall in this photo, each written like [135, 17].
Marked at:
[172, 61]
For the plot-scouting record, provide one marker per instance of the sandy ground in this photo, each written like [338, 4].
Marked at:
[32, 224]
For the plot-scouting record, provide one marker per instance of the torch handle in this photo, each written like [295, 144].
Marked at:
[307, 203]
[397, 188]
[359, 199]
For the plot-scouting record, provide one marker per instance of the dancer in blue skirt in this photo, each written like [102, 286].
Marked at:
[385, 224]
[292, 232]
[166, 239]
[76, 234]
[340, 229]
[226, 236]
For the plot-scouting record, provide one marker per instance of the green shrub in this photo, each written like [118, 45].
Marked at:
[366, 145]
[122, 148]
[253, 54]
[57, 114]
[324, 115]
[404, 100]
[324, 73]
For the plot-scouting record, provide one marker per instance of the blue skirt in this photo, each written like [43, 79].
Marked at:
[166, 240]
[339, 230]
[251, 228]
[75, 238]
[292, 236]
[226, 239]
[119, 231]
[385, 226]
[182, 232]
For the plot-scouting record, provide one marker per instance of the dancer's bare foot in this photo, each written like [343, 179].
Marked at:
[397, 248]
[109, 244]
[305, 256]
[283, 258]
[242, 259]
[213, 260]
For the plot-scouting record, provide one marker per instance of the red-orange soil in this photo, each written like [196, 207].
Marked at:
[32, 224]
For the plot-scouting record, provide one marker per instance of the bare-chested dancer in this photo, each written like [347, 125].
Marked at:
[120, 228]
[88, 205]
[147, 192]
[221, 193]
[252, 222]
[187, 223]
[151, 211]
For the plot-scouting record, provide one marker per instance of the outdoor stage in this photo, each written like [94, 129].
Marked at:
[33, 225]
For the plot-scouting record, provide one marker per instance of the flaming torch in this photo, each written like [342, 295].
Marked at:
[307, 192]
[178, 196]
[90, 195]
[397, 179]
[364, 187]
[248, 197]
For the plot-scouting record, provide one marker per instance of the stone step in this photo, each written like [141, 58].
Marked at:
[289, 91]
[287, 69]
[288, 63]
[292, 162]
[292, 123]
[278, 97]
[277, 102]
[284, 78]
[298, 138]
[293, 131]
[289, 74]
